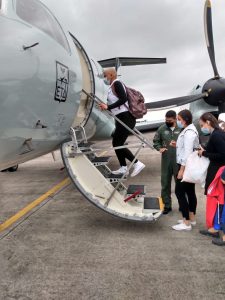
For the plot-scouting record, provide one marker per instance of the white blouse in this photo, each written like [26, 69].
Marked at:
[186, 142]
[111, 98]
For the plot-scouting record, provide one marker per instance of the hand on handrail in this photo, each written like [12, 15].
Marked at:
[103, 106]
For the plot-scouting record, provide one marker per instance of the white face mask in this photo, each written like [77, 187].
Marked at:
[205, 130]
[106, 81]
[179, 124]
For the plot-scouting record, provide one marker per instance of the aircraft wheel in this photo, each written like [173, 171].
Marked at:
[13, 169]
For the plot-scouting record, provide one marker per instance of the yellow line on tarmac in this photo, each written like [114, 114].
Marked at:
[32, 205]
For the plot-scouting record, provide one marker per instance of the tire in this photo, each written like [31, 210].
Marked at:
[13, 169]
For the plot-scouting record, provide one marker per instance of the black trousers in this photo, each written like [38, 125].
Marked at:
[121, 134]
[186, 196]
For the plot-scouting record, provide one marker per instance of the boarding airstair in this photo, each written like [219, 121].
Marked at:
[91, 175]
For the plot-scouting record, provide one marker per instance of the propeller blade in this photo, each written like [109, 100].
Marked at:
[221, 107]
[209, 35]
[173, 102]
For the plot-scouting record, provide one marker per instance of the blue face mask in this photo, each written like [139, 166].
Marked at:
[205, 131]
[106, 81]
[179, 124]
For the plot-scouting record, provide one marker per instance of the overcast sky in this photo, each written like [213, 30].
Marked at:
[148, 28]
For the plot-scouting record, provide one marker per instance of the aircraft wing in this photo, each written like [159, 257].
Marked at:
[173, 102]
[130, 61]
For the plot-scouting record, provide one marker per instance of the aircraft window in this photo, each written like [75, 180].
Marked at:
[0, 4]
[35, 13]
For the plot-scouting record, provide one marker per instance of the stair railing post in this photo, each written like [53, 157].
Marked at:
[134, 131]
[124, 175]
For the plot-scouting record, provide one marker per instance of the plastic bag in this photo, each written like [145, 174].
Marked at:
[196, 169]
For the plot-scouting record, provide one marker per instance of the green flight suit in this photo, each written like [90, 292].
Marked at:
[164, 135]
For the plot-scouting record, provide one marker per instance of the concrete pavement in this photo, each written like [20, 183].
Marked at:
[68, 249]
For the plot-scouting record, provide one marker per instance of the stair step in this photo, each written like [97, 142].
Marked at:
[85, 144]
[98, 161]
[84, 147]
[134, 188]
[114, 177]
[152, 203]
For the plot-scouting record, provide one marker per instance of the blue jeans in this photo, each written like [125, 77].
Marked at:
[219, 219]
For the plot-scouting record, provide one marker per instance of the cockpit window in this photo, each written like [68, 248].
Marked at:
[35, 13]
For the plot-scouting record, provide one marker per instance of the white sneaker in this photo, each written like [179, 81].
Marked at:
[121, 170]
[181, 226]
[191, 222]
[138, 167]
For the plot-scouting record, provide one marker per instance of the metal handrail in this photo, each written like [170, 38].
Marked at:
[134, 131]
[124, 175]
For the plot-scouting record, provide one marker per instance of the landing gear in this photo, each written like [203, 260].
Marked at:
[11, 169]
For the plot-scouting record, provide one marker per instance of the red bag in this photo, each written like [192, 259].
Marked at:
[215, 196]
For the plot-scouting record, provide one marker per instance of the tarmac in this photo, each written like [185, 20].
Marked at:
[65, 248]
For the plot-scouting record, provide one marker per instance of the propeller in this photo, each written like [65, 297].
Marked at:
[216, 84]
[213, 91]
[173, 102]
[209, 35]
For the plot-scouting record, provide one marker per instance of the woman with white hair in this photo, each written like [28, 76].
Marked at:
[117, 103]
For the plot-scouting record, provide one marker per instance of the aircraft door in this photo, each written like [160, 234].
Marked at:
[88, 84]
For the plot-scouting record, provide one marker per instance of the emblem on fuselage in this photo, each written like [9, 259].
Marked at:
[62, 82]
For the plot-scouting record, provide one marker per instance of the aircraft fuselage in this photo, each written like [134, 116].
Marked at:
[41, 80]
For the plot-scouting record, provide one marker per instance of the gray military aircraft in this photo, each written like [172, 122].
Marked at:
[47, 85]
[43, 72]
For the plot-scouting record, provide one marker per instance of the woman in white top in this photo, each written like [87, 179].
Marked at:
[187, 141]
[117, 103]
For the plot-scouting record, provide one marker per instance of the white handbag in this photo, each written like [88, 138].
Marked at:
[196, 169]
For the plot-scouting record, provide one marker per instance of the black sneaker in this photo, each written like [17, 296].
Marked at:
[167, 210]
[208, 233]
[218, 242]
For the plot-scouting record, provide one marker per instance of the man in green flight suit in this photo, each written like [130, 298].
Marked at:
[165, 134]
